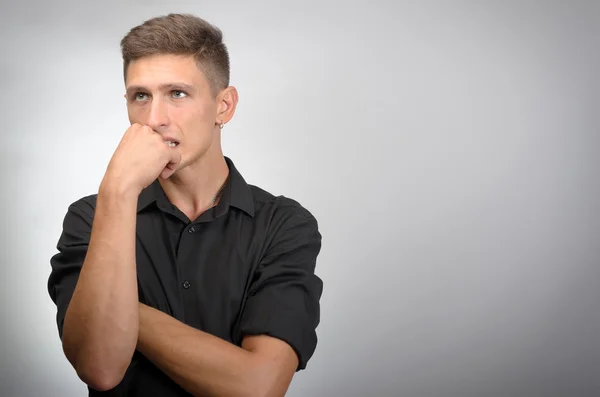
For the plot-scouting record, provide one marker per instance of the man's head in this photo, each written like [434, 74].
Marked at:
[180, 34]
[176, 71]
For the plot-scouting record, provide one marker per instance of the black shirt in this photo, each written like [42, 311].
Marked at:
[246, 266]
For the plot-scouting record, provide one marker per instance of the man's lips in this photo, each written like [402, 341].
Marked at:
[171, 141]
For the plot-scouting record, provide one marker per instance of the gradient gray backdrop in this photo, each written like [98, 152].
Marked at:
[450, 151]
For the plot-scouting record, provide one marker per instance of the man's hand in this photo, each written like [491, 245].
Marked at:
[141, 157]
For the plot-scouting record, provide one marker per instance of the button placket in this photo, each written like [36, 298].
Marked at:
[186, 284]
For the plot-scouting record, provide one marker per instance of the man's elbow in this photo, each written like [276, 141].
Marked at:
[264, 390]
[267, 381]
[101, 372]
[255, 390]
[99, 379]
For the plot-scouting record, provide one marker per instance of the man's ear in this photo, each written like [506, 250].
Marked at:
[228, 99]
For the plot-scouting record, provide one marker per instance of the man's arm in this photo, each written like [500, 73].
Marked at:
[101, 323]
[206, 365]
[94, 280]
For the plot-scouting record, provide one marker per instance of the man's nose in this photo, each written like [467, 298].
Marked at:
[159, 114]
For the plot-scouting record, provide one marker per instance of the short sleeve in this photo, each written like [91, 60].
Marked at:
[284, 296]
[66, 264]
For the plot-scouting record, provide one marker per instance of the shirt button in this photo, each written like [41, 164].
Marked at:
[186, 284]
[191, 229]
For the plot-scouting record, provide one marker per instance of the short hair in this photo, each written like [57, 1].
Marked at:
[180, 34]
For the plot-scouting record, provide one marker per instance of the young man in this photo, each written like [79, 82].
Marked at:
[177, 278]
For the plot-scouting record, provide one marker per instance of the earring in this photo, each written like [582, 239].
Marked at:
[221, 126]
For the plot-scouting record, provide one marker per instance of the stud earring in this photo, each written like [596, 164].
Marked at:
[221, 126]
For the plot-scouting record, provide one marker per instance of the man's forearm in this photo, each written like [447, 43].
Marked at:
[102, 322]
[202, 364]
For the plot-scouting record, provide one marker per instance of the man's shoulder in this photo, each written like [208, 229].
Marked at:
[281, 205]
[264, 201]
[85, 205]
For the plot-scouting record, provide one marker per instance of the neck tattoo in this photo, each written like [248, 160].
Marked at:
[214, 200]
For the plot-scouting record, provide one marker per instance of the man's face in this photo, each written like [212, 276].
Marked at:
[170, 94]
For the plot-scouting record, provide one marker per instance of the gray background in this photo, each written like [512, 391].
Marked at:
[450, 151]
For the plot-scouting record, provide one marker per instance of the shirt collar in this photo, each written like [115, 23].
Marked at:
[236, 193]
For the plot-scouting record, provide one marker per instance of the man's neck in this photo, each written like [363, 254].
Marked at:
[194, 188]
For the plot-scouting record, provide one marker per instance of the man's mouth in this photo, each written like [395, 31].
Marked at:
[172, 143]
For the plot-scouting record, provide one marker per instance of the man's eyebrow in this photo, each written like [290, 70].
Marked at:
[164, 87]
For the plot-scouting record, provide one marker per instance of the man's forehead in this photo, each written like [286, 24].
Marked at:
[161, 70]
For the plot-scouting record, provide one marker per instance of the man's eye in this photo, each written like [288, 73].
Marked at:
[140, 96]
[179, 94]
